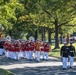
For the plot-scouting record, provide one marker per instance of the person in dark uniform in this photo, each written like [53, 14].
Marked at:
[71, 54]
[64, 52]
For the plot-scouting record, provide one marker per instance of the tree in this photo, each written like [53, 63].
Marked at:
[59, 13]
[7, 14]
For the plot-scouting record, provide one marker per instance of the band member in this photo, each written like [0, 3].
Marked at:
[32, 47]
[23, 50]
[27, 47]
[64, 52]
[38, 50]
[13, 50]
[5, 45]
[10, 50]
[71, 54]
[42, 50]
[47, 49]
[17, 49]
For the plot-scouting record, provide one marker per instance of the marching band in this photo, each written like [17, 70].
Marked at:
[27, 49]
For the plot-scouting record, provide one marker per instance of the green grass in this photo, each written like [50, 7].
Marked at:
[5, 72]
[56, 52]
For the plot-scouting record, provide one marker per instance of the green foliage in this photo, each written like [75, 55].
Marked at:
[26, 16]
[5, 72]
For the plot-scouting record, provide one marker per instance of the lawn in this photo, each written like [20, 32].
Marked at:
[5, 72]
[56, 52]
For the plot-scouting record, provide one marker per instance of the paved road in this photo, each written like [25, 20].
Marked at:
[25, 67]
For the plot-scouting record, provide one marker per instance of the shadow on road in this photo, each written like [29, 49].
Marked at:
[45, 70]
[7, 61]
[36, 70]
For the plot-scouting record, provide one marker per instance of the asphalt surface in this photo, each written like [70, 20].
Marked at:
[25, 67]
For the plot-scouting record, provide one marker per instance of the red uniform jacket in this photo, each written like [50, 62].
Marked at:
[47, 48]
[23, 47]
[42, 47]
[17, 48]
[32, 46]
[27, 47]
[5, 45]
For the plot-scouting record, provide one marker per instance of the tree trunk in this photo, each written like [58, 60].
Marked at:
[44, 37]
[56, 34]
[43, 34]
[36, 35]
[61, 39]
[49, 35]
[10, 32]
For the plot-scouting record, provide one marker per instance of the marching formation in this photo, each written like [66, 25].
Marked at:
[29, 49]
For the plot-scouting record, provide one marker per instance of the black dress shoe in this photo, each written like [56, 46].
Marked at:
[37, 61]
[70, 67]
[30, 59]
[64, 68]
[43, 59]
[46, 60]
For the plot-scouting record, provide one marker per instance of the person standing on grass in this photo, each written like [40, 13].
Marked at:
[64, 52]
[71, 54]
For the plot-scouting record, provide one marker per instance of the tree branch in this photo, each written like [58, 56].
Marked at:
[64, 23]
